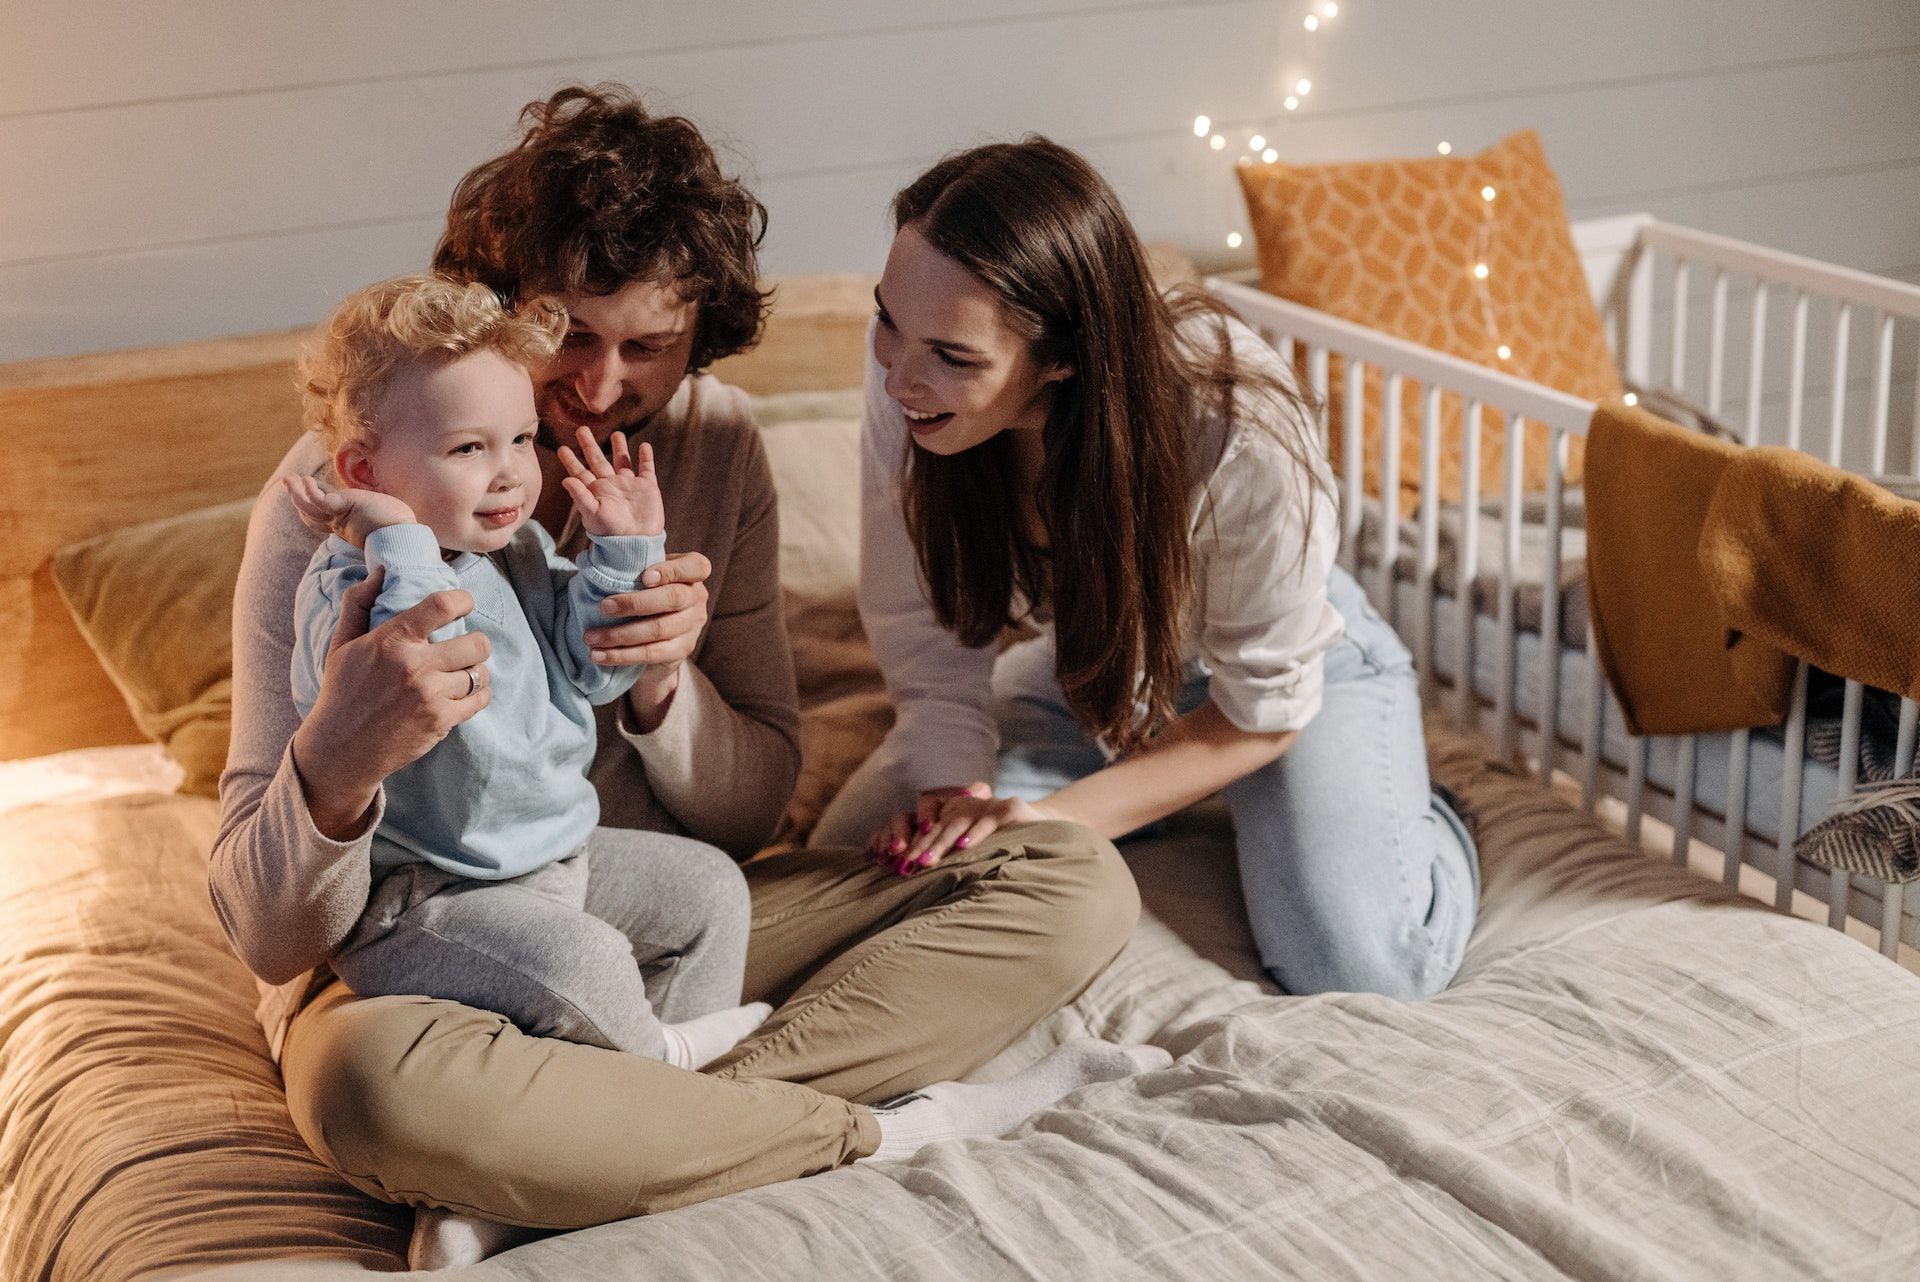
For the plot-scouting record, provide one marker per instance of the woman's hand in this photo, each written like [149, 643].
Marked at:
[353, 514]
[386, 697]
[949, 819]
[664, 619]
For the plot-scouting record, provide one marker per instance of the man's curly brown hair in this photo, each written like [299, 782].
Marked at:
[600, 193]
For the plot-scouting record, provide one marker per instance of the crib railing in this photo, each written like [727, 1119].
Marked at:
[1675, 296]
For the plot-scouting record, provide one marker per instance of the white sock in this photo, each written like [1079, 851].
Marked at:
[953, 1110]
[698, 1042]
[444, 1239]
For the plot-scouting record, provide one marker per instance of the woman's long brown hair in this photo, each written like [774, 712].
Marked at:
[1039, 226]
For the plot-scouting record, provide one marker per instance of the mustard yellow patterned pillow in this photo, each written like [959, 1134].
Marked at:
[1399, 245]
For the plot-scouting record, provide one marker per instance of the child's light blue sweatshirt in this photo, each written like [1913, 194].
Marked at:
[506, 791]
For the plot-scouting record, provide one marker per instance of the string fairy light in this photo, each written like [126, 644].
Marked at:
[1316, 16]
[1445, 148]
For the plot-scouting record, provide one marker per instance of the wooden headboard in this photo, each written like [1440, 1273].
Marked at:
[97, 442]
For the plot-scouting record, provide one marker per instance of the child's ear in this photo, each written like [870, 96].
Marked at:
[1056, 373]
[353, 464]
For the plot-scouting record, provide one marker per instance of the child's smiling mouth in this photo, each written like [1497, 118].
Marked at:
[499, 517]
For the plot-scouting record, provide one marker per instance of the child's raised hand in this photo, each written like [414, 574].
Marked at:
[352, 514]
[618, 497]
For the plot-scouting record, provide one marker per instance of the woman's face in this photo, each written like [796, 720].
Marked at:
[622, 360]
[960, 372]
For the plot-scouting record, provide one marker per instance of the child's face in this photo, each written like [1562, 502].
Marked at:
[456, 445]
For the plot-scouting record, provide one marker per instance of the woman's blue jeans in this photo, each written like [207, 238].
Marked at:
[1358, 876]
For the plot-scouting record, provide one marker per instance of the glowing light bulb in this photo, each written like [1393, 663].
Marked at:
[1631, 399]
[1446, 149]
[1200, 126]
[1312, 23]
[1292, 102]
[1233, 240]
[1256, 143]
[1330, 8]
[1487, 193]
[1503, 351]
[1303, 86]
[1479, 271]
[1216, 142]
[1269, 155]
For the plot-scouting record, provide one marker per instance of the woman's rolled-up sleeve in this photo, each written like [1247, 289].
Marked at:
[1264, 621]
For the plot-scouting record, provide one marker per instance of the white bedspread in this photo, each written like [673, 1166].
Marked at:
[1635, 1076]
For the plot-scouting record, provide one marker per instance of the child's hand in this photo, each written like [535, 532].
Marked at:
[621, 497]
[352, 514]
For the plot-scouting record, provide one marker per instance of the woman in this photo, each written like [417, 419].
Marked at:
[626, 219]
[1135, 474]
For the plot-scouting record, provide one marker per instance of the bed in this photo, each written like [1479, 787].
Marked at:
[1638, 1073]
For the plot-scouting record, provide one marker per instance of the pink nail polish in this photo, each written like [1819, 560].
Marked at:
[926, 826]
[898, 845]
[962, 843]
[926, 860]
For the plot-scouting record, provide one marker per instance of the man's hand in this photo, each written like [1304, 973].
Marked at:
[665, 617]
[386, 698]
[352, 514]
[618, 497]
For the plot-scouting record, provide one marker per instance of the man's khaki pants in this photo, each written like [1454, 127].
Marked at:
[881, 984]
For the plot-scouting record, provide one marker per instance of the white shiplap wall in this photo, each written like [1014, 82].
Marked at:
[176, 169]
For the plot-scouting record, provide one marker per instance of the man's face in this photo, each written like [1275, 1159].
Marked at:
[624, 355]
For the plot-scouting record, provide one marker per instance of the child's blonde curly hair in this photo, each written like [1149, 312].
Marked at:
[426, 316]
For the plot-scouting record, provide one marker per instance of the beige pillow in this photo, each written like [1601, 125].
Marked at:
[155, 601]
[816, 471]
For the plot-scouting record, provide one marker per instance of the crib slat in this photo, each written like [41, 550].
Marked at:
[1792, 779]
[1469, 565]
[1717, 342]
[1596, 725]
[1550, 608]
[1882, 389]
[1686, 768]
[1636, 784]
[1677, 351]
[1797, 379]
[1509, 574]
[1317, 373]
[1892, 917]
[1389, 499]
[1738, 765]
[1756, 360]
[1353, 506]
[1429, 555]
[1903, 743]
[1837, 421]
[1839, 883]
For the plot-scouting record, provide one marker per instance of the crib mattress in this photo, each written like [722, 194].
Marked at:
[1634, 1075]
[1713, 766]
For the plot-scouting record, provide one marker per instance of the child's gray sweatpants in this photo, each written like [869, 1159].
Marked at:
[598, 948]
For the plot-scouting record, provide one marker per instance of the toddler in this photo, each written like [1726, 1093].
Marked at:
[482, 849]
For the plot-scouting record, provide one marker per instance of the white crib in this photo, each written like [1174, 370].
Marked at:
[1673, 293]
